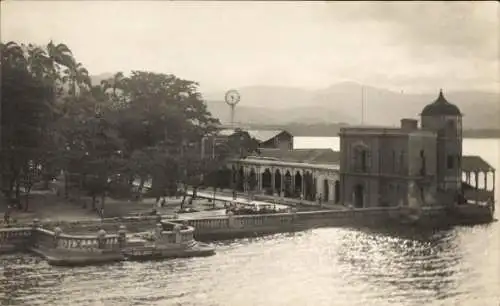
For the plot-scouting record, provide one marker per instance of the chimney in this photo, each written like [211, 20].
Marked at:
[409, 124]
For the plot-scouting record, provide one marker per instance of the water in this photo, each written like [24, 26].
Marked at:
[327, 267]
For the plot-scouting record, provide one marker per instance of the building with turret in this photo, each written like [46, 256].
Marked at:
[409, 165]
[445, 120]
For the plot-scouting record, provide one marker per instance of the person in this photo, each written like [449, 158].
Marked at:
[163, 202]
[6, 216]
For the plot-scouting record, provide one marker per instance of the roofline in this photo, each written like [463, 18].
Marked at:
[461, 115]
[251, 161]
[491, 168]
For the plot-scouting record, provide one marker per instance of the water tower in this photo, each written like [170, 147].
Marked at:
[232, 98]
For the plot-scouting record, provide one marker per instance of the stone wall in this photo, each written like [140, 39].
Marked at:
[234, 226]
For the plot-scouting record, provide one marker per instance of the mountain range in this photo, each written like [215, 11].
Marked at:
[342, 103]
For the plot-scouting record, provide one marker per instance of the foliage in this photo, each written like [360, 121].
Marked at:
[104, 137]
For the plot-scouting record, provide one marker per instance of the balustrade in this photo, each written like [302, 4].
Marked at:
[14, 235]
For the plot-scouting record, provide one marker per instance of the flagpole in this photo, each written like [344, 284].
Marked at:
[362, 104]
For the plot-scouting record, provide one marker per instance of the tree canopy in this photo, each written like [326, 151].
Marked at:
[103, 137]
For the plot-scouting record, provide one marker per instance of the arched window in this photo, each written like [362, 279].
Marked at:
[361, 158]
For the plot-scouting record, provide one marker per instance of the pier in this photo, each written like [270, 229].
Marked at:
[79, 243]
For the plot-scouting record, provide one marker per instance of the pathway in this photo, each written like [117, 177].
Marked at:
[229, 199]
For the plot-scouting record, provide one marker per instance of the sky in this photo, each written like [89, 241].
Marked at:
[409, 46]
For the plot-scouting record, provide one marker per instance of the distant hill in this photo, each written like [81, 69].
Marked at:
[96, 79]
[264, 105]
[342, 103]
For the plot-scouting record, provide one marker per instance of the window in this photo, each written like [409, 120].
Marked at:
[361, 159]
[394, 167]
[422, 163]
[364, 162]
[402, 162]
[450, 162]
[451, 124]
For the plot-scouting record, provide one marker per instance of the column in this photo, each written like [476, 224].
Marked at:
[493, 182]
[259, 174]
[486, 180]
[245, 179]
[273, 180]
[319, 186]
[467, 177]
[331, 190]
[282, 191]
[303, 187]
[476, 175]
[293, 182]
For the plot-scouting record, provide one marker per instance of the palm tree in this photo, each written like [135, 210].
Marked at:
[39, 63]
[77, 77]
[60, 54]
[12, 53]
[115, 83]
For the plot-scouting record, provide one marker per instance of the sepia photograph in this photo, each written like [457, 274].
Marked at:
[249, 153]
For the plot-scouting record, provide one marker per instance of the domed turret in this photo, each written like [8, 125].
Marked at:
[441, 107]
[445, 119]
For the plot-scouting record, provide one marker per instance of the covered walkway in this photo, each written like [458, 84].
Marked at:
[478, 179]
[305, 174]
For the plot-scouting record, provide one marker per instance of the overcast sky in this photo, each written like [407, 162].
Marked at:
[411, 46]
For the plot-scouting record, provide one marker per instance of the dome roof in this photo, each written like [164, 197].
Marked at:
[441, 107]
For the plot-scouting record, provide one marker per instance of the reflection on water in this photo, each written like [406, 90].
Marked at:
[319, 267]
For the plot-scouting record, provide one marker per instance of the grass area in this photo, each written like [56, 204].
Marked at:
[46, 206]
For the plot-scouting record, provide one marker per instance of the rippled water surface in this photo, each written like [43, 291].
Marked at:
[319, 267]
[335, 266]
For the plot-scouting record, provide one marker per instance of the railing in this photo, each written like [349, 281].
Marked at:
[216, 222]
[15, 235]
[280, 219]
[44, 238]
[109, 224]
[175, 233]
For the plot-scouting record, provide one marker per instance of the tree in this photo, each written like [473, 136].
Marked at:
[146, 126]
[162, 120]
[26, 114]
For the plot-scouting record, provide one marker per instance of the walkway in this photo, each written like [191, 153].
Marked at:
[226, 195]
[229, 199]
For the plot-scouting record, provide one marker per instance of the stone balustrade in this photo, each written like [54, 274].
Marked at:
[134, 224]
[219, 222]
[238, 221]
[13, 239]
[9, 234]
[58, 240]
[181, 232]
[176, 233]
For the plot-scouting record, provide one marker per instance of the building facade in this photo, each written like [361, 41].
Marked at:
[408, 165]
[310, 175]
[386, 166]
